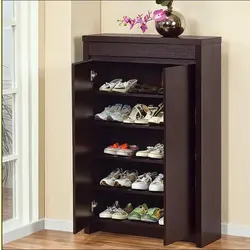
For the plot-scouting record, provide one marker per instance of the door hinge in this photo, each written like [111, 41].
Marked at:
[93, 75]
[93, 205]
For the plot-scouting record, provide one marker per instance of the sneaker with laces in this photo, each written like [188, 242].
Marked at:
[157, 184]
[127, 178]
[105, 114]
[122, 214]
[157, 153]
[107, 213]
[137, 213]
[144, 153]
[108, 86]
[143, 181]
[152, 215]
[127, 150]
[120, 114]
[112, 149]
[109, 180]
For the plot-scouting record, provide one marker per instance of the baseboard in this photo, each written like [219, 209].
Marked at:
[23, 231]
[235, 230]
[58, 225]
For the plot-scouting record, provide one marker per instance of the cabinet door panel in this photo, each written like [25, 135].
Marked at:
[178, 153]
[82, 128]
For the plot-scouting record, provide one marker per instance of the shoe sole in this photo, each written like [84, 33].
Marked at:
[134, 218]
[117, 217]
[103, 183]
[117, 184]
[154, 190]
[155, 156]
[148, 220]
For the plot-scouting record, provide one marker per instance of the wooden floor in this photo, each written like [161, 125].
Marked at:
[61, 240]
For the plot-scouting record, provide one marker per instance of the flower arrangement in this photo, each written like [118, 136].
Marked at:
[143, 19]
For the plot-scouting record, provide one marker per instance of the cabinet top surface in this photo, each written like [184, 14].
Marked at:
[134, 38]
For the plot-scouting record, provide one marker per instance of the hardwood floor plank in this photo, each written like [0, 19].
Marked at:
[48, 239]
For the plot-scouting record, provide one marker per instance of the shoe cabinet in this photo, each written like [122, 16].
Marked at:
[189, 70]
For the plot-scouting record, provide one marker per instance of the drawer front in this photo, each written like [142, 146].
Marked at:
[142, 50]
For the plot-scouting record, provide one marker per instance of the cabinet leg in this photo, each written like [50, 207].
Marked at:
[90, 229]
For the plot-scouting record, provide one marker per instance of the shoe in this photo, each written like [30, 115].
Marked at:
[108, 86]
[138, 112]
[144, 153]
[157, 184]
[109, 181]
[122, 214]
[120, 114]
[112, 149]
[149, 115]
[137, 213]
[152, 215]
[143, 181]
[143, 88]
[105, 114]
[158, 117]
[127, 178]
[127, 150]
[157, 153]
[161, 221]
[107, 214]
[123, 87]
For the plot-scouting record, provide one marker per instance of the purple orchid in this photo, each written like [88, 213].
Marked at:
[159, 15]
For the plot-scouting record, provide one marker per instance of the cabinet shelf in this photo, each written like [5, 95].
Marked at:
[128, 191]
[126, 125]
[130, 159]
[137, 95]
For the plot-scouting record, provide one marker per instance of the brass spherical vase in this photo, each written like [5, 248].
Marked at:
[173, 25]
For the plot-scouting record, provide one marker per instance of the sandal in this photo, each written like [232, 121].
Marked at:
[150, 114]
[139, 112]
[144, 88]
[108, 86]
[158, 117]
[123, 87]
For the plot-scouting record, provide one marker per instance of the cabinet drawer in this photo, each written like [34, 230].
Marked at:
[142, 50]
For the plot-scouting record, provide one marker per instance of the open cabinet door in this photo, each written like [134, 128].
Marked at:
[82, 137]
[178, 153]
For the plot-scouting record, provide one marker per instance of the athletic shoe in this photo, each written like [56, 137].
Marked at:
[127, 178]
[120, 114]
[157, 153]
[112, 149]
[143, 181]
[122, 214]
[127, 150]
[105, 114]
[107, 214]
[157, 184]
[111, 178]
[144, 153]
[161, 221]
[137, 213]
[152, 215]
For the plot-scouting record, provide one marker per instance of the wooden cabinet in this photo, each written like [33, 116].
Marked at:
[189, 70]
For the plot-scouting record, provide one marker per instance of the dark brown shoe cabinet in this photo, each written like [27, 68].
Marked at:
[189, 69]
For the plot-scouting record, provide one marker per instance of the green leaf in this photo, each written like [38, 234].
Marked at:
[162, 2]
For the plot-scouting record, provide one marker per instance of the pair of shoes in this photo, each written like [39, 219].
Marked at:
[155, 152]
[120, 178]
[117, 85]
[130, 178]
[143, 213]
[121, 149]
[117, 112]
[149, 181]
[146, 88]
[116, 213]
[142, 114]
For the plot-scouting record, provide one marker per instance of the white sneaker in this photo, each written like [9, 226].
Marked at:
[139, 112]
[144, 153]
[143, 181]
[161, 221]
[150, 113]
[105, 114]
[108, 86]
[127, 178]
[157, 184]
[111, 178]
[123, 87]
[107, 214]
[112, 149]
[129, 151]
[120, 114]
[157, 153]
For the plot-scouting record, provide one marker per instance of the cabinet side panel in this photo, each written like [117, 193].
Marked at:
[208, 144]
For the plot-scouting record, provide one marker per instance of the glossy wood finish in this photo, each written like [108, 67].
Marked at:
[63, 240]
[194, 206]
